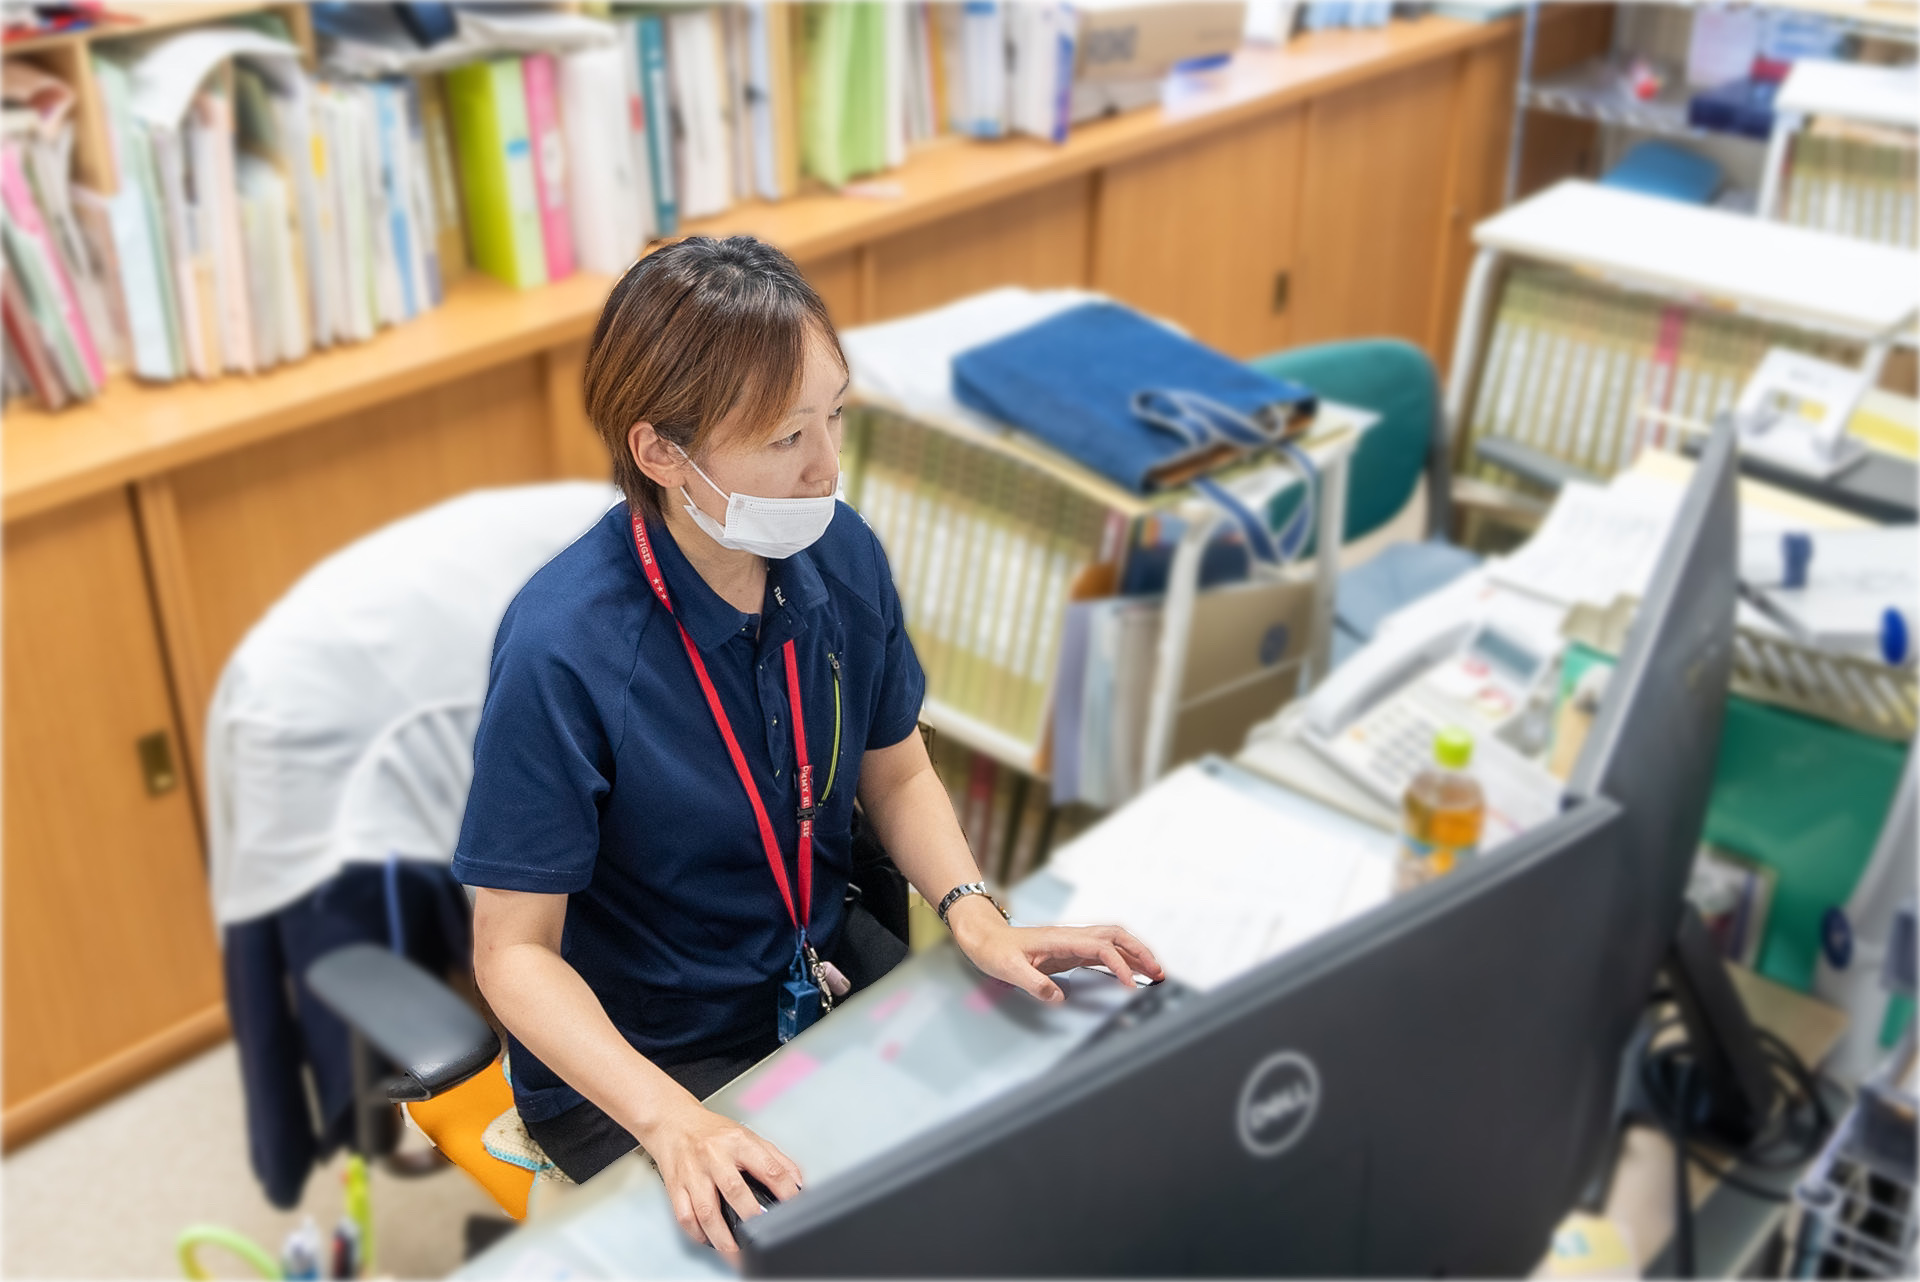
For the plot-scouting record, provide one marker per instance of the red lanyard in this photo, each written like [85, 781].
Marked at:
[767, 839]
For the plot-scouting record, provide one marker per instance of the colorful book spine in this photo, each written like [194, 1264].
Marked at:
[27, 347]
[549, 163]
[395, 196]
[444, 182]
[139, 234]
[421, 210]
[26, 216]
[659, 122]
[488, 105]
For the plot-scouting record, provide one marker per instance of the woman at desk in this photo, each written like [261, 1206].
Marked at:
[683, 706]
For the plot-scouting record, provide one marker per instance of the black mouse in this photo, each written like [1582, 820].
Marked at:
[761, 1194]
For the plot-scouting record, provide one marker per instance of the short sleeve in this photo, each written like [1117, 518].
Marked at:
[542, 766]
[903, 686]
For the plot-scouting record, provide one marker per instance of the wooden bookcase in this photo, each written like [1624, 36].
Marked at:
[1319, 191]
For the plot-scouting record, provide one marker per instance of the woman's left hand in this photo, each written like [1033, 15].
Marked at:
[1025, 955]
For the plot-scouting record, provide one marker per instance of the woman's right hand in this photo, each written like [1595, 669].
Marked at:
[700, 1155]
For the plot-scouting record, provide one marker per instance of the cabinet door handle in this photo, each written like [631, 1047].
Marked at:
[1281, 282]
[156, 763]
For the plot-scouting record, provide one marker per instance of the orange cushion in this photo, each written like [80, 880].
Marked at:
[456, 1121]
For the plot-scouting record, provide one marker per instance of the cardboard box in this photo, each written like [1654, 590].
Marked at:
[1131, 40]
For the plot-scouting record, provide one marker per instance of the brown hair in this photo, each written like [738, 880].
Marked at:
[695, 331]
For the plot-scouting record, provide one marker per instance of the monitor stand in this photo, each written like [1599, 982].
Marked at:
[1732, 1090]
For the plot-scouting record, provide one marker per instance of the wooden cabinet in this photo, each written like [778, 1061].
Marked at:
[1038, 239]
[1205, 234]
[111, 964]
[838, 279]
[1372, 180]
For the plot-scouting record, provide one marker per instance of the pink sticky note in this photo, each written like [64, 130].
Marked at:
[790, 1070]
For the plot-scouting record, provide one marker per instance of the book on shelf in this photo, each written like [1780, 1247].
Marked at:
[39, 125]
[985, 551]
[1589, 375]
[769, 95]
[47, 290]
[1004, 815]
[488, 104]
[649, 30]
[703, 132]
[134, 215]
[252, 211]
[603, 192]
[549, 163]
[1854, 179]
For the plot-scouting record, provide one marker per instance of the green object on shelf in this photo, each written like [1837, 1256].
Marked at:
[1803, 796]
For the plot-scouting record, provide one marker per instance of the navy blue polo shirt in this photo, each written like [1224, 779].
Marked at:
[599, 774]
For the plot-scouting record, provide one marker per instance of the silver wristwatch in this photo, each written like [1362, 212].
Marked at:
[958, 893]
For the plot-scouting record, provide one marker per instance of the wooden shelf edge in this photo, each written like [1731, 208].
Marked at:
[1012, 166]
[38, 1114]
[133, 430]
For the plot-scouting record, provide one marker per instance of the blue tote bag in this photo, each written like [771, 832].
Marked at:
[1128, 397]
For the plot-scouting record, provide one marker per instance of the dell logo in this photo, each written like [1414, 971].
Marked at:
[1278, 1103]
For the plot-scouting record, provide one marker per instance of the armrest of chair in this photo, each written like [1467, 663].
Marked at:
[407, 1015]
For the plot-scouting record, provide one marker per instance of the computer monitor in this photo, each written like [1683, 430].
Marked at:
[1420, 1091]
[1652, 749]
[1388, 1098]
[1655, 740]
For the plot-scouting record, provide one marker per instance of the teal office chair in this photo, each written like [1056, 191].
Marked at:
[1397, 381]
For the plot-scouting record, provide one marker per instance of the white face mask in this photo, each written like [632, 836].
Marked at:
[773, 528]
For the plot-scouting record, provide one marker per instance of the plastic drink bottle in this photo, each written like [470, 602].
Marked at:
[1442, 813]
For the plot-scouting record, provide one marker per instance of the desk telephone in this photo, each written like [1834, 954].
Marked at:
[1376, 716]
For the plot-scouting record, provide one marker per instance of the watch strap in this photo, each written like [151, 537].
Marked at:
[958, 893]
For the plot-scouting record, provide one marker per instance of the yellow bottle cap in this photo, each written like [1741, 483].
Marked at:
[1453, 748]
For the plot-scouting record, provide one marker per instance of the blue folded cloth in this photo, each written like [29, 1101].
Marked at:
[1127, 396]
[1660, 168]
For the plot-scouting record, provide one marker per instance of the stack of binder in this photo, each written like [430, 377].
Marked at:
[987, 551]
[1573, 367]
[1856, 180]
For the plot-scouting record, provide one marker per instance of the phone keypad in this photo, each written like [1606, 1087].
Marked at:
[1391, 744]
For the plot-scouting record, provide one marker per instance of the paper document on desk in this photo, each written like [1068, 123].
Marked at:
[1211, 871]
[1597, 543]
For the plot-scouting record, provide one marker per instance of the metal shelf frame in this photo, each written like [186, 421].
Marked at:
[1576, 94]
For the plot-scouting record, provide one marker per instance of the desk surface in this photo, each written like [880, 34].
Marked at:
[925, 1044]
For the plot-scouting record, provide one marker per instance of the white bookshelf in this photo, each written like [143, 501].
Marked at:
[1876, 95]
[1884, 96]
[1852, 288]
[1813, 283]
